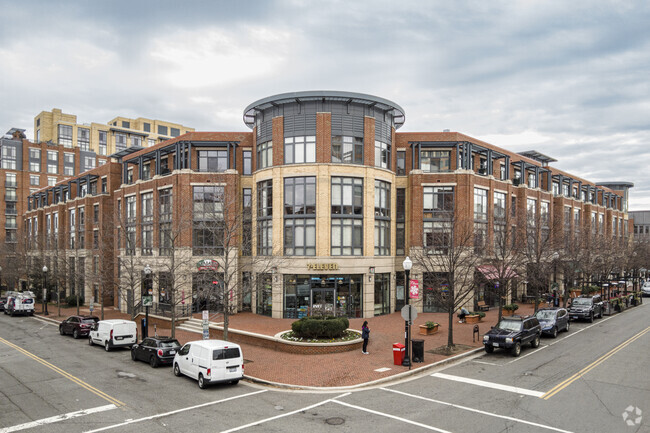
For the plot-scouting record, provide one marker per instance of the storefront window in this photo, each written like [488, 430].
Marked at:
[382, 294]
[322, 295]
[264, 295]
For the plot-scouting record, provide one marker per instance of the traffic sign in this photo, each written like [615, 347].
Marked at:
[409, 313]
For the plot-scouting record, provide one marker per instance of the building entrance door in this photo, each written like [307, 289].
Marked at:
[322, 297]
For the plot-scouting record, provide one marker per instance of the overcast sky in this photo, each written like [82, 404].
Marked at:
[569, 79]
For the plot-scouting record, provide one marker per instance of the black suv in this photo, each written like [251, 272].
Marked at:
[586, 307]
[511, 332]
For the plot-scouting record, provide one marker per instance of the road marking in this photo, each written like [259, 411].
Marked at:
[387, 415]
[57, 418]
[65, 374]
[593, 365]
[509, 418]
[174, 412]
[262, 421]
[489, 384]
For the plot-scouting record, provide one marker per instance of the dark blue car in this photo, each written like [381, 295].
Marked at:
[553, 320]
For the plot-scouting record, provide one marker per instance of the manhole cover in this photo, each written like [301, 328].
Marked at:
[335, 421]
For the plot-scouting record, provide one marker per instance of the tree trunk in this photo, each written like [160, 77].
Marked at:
[450, 332]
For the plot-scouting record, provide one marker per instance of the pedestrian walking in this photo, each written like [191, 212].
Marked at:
[365, 334]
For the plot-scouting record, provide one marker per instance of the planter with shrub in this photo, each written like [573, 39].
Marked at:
[329, 327]
[429, 328]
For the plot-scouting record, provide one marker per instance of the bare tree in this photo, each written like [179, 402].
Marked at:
[448, 261]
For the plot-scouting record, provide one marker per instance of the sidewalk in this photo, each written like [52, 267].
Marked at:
[330, 370]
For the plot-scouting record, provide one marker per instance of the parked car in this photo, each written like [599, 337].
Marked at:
[156, 350]
[78, 326]
[3, 301]
[586, 307]
[210, 361]
[645, 289]
[513, 332]
[19, 303]
[553, 320]
[114, 333]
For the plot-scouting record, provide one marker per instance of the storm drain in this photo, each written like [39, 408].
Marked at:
[334, 421]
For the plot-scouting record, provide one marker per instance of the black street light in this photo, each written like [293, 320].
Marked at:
[45, 291]
[407, 264]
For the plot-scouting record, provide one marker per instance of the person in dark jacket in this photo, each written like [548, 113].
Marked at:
[365, 334]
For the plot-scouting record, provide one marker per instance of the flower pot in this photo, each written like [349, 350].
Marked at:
[428, 331]
[472, 318]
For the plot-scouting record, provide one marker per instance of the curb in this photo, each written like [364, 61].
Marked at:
[359, 386]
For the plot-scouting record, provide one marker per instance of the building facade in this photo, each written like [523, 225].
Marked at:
[315, 210]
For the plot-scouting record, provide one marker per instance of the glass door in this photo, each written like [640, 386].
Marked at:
[323, 294]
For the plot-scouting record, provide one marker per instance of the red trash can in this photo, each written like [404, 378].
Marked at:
[398, 353]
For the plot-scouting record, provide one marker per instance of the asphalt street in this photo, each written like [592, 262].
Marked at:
[583, 381]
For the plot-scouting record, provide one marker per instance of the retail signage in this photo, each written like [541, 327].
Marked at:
[323, 266]
[207, 265]
[414, 290]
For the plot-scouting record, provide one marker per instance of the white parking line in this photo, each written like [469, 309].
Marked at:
[528, 354]
[492, 385]
[173, 412]
[57, 418]
[509, 418]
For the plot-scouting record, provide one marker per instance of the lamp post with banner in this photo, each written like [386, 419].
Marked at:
[407, 312]
[147, 301]
[45, 291]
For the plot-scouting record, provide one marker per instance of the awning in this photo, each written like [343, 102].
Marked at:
[492, 273]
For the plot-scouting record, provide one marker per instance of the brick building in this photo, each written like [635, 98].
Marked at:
[317, 207]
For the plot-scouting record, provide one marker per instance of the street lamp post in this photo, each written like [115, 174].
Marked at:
[407, 264]
[556, 299]
[145, 329]
[45, 291]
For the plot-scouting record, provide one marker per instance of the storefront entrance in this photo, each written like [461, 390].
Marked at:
[322, 295]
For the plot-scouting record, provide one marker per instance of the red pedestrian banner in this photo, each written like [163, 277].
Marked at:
[414, 290]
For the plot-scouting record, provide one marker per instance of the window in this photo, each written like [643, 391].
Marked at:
[400, 217]
[162, 130]
[264, 155]
[120, 141]
[96, 214]
[532, 180]
[147, 223]
[401, 163]
[65, 135]
[347, 216]
[499, 205]
[480, 204]
[174, 132]
[166, 241]
[146, 171]
[248, 163]
[129, 176]
[601, 224]
[382, 218]
[72, 228]
[513, 206]
[247, 222]
[556, 188]
[34, 180]
[544, 213]
[502, 172]
[51, 181]
[151, 142]
[531, 211]
[95, 239]
[298, 150]
[437, 236]
[136, 140]
[382, 154]
[265, 218]
[68, 164]
[347, 150]
[9, 157]
[81, 228]
[432, 161]
[126, 124]
[214, 161]
[34, 160]
[300, 216]
[438, 202]
[83, 139]
[130, 210]
[52, 162]
[208, 223]
[146, 127]
[102, 142]
[10, 180]
[104, 187]
[89, 162]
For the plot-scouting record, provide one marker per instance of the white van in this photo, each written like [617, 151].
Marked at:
[19, 303]
[114, 333]
[210, 361]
